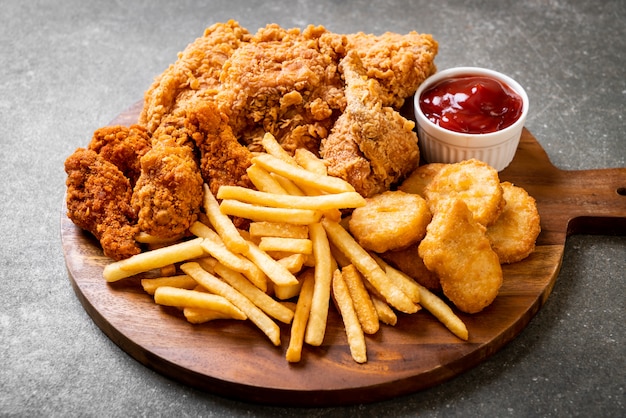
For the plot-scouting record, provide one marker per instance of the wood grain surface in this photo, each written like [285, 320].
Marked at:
[234, 359]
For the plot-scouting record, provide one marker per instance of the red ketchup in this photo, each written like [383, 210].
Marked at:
[471, 104]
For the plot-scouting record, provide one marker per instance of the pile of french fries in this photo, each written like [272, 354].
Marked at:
[296, 249]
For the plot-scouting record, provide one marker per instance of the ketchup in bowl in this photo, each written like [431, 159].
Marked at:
[473, 104]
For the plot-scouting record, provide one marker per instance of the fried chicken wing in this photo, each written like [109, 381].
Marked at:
[457, 250]
[122, 146]
[223, 160]
[371, 146]
[168, 194]
[98, 201]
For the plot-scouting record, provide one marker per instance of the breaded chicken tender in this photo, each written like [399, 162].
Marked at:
[420, 178]
[514, 234]
[474, 182]
[457, 249]
[391, 220]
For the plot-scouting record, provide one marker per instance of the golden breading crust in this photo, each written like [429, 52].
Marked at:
[420, 178]
[474, 182]
[457, 249]
[408, 261]
[514, 234]
[391, 220]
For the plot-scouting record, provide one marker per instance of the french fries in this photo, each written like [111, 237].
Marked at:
[215, 285]
[154, 259]
[354, 332]
[173, 296]
[296, 229]
[316, 326]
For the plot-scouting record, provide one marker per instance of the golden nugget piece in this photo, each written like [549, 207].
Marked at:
[420, 178]
[391, 220]
[457, 249]
[474, 182]
[514, 234]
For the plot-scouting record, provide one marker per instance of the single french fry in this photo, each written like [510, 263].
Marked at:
[363, 305]
[271, 214]
[173, 296]
[368, 267]
[200, 316]
[439, 309]
[217, 286]
[385, 314]
[263, 180]
[318, 316]
[325, 202]
[260, 299]
[300, 176]
[145, 238]
[278, 229]
[154, 259]
[309, 161]
[168, 270]
[181, 281]
[345, 305]
[222, 223]
[290, 245]
[272, 147]
[214, 246]
[404, 282]
[274, 271]
[291, 187]
[293, 263]
[301, 317]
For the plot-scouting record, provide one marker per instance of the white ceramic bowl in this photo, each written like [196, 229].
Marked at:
[440, 145]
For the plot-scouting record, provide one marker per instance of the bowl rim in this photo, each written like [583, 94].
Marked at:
[503, 134]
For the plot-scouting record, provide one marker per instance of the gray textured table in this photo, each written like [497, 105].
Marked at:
[69, 68]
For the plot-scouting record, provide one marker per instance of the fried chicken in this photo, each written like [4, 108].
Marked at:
[168, 194]
[223, 160]
[98, 200]
[284, 82]
[371, 146]
[195, 73]
[123, 146]
[400, 63]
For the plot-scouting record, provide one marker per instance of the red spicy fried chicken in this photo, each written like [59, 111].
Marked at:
[98, 200]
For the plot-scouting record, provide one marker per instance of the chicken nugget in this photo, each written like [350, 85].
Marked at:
[390, 221]
[457, 249]
[514, 234]
[421, 177]
[474, 182]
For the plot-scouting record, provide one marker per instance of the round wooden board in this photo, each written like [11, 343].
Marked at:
[234, 359]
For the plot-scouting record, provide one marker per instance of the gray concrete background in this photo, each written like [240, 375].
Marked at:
[69, 67]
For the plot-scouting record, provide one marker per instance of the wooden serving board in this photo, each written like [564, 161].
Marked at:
[234, 359]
